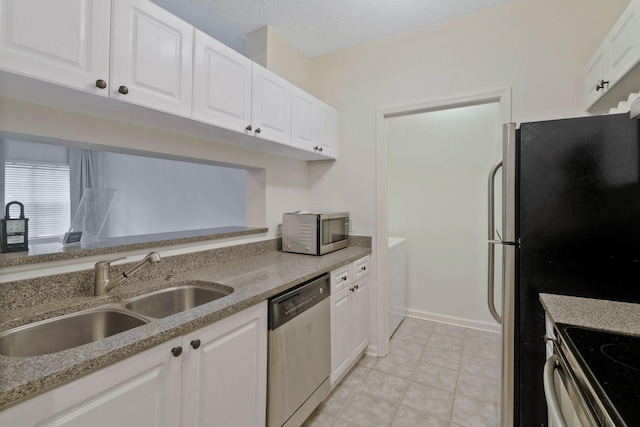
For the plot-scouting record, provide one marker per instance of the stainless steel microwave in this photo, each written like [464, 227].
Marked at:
[314, 233]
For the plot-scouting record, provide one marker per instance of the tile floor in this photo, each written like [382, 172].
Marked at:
[435, 375]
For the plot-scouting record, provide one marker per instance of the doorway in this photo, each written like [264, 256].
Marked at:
[432, 163]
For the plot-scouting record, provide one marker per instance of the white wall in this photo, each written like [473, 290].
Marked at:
[537, 47]
[437, 165]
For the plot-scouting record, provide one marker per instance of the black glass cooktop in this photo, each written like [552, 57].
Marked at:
[612, 363]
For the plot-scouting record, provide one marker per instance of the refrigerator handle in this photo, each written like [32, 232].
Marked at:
[491, 244]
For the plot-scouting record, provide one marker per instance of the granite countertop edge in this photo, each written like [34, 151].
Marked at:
[254, 280]
[605, 315]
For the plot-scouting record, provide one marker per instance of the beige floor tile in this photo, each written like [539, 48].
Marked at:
[428, 399]
[415, 327]
[397, 365]
[384, 386]
[479, 388]
[408, 417]
[480, 367]
[443, 328]
[354, 378]
[406, 347]
[319, 419]
[337, 400]
[436, 376]
[441, 357]
[483, 350]
[473, 413]
[367, 361]
[445, 341]
[367, 410]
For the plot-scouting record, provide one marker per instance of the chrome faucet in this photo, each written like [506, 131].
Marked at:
[102, 282]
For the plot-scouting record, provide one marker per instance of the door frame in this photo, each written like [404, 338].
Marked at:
[501, 96]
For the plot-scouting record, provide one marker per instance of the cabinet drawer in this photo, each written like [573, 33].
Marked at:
[360, 268]
[340, 278]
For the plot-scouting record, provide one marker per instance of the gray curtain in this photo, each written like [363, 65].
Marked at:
[86, 170]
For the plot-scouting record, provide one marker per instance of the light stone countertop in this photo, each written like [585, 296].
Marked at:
[611, 316]
[254, 279]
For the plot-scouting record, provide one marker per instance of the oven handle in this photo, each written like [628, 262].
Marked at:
[550, 392]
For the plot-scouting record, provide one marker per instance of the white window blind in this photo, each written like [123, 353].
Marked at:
[44, 191]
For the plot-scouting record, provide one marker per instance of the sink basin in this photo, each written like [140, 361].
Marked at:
[65, 332]
[174, 300]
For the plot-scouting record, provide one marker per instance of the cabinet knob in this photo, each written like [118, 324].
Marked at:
[258, 130]
[357, 286]
[123, 90]
[320, 149]
[101, 84]
[352, 288]
[195, 344]
[364, 268]
[601, 84]
[176, 351]
[248, 128]
[344, 278]
[315, 148]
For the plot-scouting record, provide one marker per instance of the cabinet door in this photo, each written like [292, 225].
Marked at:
[340, 278]
[151, 52]
[360, 268]
[595, 73]
[271, 106]
[303, 120]
[225, 378]
[326, 129]
[143, 390]
[64, 42]
[360, 313]
[221, 84]
[623, 43]
[341, 343]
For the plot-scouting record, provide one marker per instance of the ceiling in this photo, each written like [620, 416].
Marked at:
[318, 27]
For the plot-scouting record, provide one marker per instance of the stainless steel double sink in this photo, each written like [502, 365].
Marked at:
[87, 326]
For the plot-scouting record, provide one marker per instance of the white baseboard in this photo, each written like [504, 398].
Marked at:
[451, 320]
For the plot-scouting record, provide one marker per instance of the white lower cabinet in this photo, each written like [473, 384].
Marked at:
[224, 379]
[349, 325]
[218, 379]
[143, 390]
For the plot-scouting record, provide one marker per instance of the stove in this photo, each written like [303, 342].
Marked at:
[607, 367]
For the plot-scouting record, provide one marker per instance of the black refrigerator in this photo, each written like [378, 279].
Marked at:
[571, 226]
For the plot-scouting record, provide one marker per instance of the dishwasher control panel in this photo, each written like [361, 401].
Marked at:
[293, 302]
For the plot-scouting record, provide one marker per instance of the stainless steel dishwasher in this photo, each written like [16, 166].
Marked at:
[299, 352]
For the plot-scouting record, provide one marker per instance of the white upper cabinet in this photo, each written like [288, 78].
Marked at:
[326, 129]
[623, 43]
[594, 75]
[151, 57]
[64, 41]
[271, 106]
[221, 84]
[136, 52]
[313, 124]
[612, 70]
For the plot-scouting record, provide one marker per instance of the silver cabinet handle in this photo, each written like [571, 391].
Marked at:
[550, 392]
[491, 245]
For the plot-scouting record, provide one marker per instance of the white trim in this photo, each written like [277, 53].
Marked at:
[379, 243]
[451, 320]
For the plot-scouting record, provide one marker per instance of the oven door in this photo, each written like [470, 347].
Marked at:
[566, 404]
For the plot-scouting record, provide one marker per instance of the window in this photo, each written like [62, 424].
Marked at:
[44, 191]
